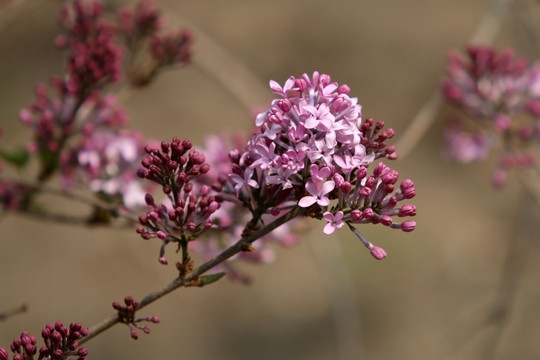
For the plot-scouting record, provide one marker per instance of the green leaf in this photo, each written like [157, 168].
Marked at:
[17, 156]
[208, 279]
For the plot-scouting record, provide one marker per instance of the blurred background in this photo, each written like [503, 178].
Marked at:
[326, 297]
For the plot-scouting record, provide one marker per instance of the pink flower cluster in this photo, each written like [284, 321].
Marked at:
[60, 343]
[106, 162]
[499, 94]
[79, 130]
[312, 147]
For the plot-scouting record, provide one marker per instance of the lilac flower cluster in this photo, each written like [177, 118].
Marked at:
[127, 316]
[187, 213]
[312, 147]
[79, 130]
[106, 163]
[61, 343]
[499, 94]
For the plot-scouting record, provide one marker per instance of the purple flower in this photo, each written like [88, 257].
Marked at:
[318, 193]
[334, 222]
[313, 139]
[466, 147]
[246, 180]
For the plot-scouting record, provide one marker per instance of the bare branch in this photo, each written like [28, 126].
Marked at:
[239, 246]
[9, 313]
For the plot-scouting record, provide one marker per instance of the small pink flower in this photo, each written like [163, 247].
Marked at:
[334, 222]
[240, 181]
[318, 193]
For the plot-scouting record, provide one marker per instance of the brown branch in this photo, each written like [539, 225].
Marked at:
[9, 313]
[485, 33]
[239, 246]
[226, 70]
[63, 218]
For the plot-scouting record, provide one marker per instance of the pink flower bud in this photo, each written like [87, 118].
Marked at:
[386, 220]
[408, 226]
[377, 252]
[344, 89]
[356, 215]
[407, 210]
[82, 352]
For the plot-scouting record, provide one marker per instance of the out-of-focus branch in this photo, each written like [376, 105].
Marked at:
[10, 12]
[12, 312]
[217, 63]
[241, 245]
[485, 33]
[64, 218]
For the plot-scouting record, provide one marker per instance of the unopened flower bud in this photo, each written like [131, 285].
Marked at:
[356, 215]
[408, 226]
[377, 252]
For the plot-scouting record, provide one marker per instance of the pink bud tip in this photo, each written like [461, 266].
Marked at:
[163, 261]
[377, 252]
[408, 226]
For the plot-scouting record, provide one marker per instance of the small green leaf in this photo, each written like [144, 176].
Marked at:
[18, 156]
[208, 279]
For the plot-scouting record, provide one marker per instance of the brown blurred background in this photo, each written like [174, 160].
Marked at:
[325, 298]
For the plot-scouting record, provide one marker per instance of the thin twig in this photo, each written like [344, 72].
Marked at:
[239, 246]
[71, 196]
[220, 65]
[9, 313]
[518, 248]
[485, 33]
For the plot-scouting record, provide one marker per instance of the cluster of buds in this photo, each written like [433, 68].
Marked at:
[499, 95]
[172, 48]
[175, 166]
[126, 314]
[61, 343]
[311, 148]
[137, 24]
[141, 25]
[94, 58]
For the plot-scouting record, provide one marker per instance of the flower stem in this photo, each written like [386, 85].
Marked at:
[239, 246]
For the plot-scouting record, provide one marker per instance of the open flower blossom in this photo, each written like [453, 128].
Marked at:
[312, 150]
[106, 162]
[499, 94]
[335, 221]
